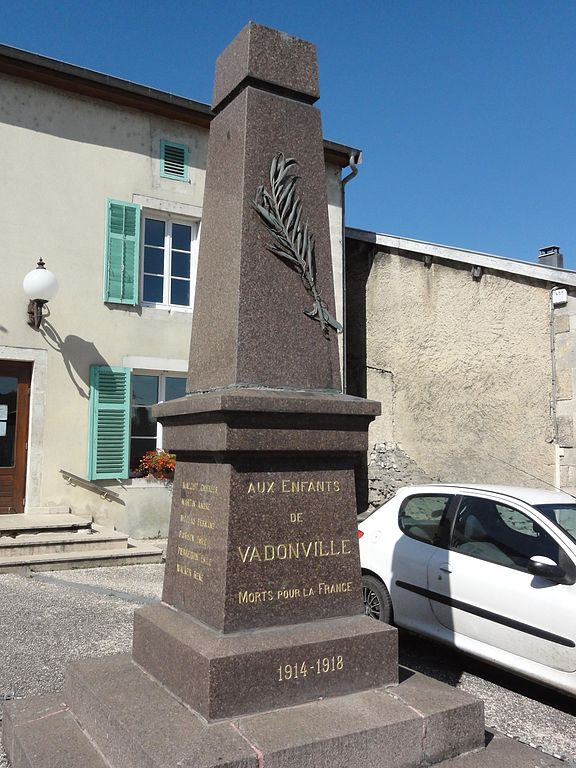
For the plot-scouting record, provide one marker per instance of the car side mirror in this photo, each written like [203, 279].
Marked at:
[548, 569]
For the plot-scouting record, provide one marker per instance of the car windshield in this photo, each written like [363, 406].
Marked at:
[564, 515]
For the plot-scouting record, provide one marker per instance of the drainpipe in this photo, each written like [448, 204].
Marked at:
[353, 162]
[558, 298]
[553, 366]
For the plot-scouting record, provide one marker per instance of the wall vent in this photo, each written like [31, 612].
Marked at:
[173, 161]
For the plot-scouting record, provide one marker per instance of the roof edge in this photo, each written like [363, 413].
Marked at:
[553, 275]
[87, 82]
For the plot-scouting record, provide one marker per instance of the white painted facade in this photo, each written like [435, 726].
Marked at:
[64, 155]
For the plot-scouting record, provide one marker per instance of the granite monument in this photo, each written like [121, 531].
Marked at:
[259, 653]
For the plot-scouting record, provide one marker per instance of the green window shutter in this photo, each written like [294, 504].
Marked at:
[173, 161]
[122, 263]
[109, 432]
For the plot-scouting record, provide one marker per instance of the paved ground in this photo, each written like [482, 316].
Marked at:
[48, 619]
[525, 711]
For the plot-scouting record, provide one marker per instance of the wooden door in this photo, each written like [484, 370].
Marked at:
[14, 400]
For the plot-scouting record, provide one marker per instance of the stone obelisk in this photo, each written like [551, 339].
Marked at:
[263, 526]
[259, 655]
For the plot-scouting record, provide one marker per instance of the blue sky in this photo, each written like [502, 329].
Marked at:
[464, 109]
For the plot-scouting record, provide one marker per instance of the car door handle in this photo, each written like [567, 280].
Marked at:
[445, 567]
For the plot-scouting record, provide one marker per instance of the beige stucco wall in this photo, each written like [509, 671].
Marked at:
[63, 156]
[463, 370]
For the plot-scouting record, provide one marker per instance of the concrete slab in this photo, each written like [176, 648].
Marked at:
[455, 719]
[25, 544]
[136, 723]
[35, 730]
[363, 729]
[502, 752]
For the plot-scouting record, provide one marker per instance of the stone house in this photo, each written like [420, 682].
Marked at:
[103, 179]
[473, 358]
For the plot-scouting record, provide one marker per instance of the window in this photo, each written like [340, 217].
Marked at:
[122, 427]
[169, 263]
[421, 516]
[173, 161]
[165, 265]
[109, 427]
[147, 390]
[122, 253]
[564, 515]
[500, 534]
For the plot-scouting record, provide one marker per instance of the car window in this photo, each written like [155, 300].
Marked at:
[500, 534]
[421, 516]
[518, 521]
[564, 515]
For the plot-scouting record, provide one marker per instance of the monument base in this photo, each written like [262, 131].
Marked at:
[113, 715]
[245, 672]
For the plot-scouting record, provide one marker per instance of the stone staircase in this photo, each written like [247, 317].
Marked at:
[55, 542]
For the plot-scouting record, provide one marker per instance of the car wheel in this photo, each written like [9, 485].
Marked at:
[377, 603]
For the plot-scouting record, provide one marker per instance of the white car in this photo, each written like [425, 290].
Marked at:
[489, 570]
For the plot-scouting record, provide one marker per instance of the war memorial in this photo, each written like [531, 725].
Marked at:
[259, 654]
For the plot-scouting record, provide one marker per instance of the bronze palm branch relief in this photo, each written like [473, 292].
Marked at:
[281, 211]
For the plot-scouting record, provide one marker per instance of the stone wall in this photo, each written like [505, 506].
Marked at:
[389, 469]
[462, 367]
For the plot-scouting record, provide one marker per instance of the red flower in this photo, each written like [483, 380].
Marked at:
[158, 464]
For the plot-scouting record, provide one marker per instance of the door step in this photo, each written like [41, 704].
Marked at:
[11, 525]
[52, 542]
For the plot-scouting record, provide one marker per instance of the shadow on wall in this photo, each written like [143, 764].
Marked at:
[359, 258]
[78, 355]
[94, 122]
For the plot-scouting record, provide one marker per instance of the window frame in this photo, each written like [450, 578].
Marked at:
[161, 376]
[169, 220]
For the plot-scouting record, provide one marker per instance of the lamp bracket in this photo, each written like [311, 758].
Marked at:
[35, 314]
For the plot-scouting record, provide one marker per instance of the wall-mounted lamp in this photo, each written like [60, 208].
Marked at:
[40, 286]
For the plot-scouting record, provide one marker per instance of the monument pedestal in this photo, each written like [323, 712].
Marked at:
[259, 655]
[231, 675]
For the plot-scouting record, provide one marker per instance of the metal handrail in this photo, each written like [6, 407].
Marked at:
[104, 493]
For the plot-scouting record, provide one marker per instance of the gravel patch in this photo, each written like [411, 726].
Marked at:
[50, 619]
